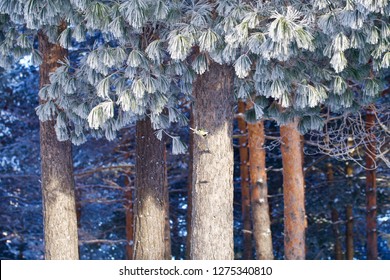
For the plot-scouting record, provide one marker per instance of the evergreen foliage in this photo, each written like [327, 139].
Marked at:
[139, 58]
[131, 59]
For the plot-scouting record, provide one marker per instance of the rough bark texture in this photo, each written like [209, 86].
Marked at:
[59, 207]
[349, 233]
[293, 191]
[245, 190]
[129, 220]
[259, 192]
[150, 204]
[371, 206]
[167, 228]
[212, 195]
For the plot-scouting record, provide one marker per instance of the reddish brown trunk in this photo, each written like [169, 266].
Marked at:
[259, 192]
[245, 190]
[129, 219]
[349, 233]
[371, 206]
[337, 244]
[330, 174]
[334, 215]
[293, 190]
[58, 193]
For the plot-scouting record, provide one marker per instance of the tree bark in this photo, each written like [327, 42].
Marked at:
[151, 199]
[334, 214]
[293, 191]
[245, 189]
[167, 229]
[58, 189]
[259, 192]
[338, 252]
[371, 206]
[129, 219]
[212, 194]
[349, 233]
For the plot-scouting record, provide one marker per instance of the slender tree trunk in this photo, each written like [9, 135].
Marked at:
[259, 192]
[212, 194]
[293, 190]
[129, 219]
[338, 252]
[334, 214]
[245, 190]
[150, 204]
[371, 207]
[59, 207]
[189, 194]
[349, 233]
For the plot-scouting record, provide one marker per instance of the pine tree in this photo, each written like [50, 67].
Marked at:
[371, 199]
[60, 222]
[212, 194]
[151, 199]
[259, 192]
[20, 24]
[245, 188]
[296, 60]
[349, 236]
[293, 191]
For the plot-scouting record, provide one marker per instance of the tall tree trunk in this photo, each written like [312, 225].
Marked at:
[349, 233]
[371, 207]
[150, 204]
[334, 214]
[245, 190]
[293, 191]
[129, 219]
[59, 207]
[189, 191]
[338, 252]
[212, 194]
[259, 192]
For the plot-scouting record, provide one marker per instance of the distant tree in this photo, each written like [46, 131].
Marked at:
[371, 188]
[20, 219]
[259, 192]
[245, 184]
[293, 191]
[350, 249]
